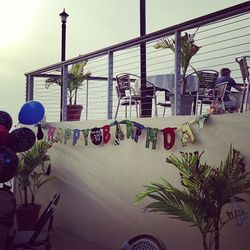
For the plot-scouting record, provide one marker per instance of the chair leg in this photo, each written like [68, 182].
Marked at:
[136, 107]
[164, 110]
[126, 112]
[118, 105]
[130, 107]
[201, 108]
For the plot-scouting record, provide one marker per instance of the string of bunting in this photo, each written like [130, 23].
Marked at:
[99, 135]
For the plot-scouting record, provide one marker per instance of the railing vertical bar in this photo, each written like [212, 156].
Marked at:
[177, 89]
[87, 99]
[64, 93]
[29, 88]
[110, 84]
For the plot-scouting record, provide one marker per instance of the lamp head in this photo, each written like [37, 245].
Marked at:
[63, 16]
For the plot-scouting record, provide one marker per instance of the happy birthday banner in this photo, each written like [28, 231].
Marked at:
[102, 135]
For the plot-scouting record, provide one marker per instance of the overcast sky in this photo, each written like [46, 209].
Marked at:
[31, 32]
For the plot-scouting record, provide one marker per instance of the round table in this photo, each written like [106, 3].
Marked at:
[167, 82]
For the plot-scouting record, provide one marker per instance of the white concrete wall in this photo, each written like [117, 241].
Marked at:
[98, 185]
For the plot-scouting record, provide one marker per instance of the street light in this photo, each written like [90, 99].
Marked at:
[64, 17]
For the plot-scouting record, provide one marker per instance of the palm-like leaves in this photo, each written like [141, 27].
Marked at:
[76, 77]
[31, 160]
[188, 49]
[205, 191]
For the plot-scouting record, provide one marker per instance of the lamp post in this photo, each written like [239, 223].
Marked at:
[146, 102]
[63, 17]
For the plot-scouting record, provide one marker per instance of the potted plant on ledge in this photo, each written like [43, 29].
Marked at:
[33, 172]
[76, 77]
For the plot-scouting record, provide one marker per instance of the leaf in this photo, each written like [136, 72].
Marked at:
[45, 181]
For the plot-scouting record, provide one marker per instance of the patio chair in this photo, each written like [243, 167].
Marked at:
[144, 242]
[207, 82]
[244, 69]
[40, 236]
[127, 95]
[216, 95]
[166, 103]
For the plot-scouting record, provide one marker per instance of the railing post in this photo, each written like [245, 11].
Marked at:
[177, 89]
[29, 88]
[64, 93]
[87, 100]
[110, 84]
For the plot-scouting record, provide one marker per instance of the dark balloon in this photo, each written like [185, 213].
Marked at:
[5, 120]
[31, 113]
[8, 164]
[21, 139]
[4, 135]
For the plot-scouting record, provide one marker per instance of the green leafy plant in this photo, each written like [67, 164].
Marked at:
[33, 170]
[76, 77]
[188, 49]
[205, 190]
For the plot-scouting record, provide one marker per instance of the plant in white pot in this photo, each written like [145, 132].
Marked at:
[204, 192]
[76, 77]
[33, 172]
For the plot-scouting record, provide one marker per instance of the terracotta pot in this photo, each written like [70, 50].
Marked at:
[27, 216]
[74, 112]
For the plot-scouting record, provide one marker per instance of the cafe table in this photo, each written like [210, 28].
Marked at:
[166, 82]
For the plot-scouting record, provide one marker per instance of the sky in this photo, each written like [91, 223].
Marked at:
[31, 32]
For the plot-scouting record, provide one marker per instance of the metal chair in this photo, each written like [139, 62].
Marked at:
[207, 82]
[127, 95]
[144, 242]
[244, 69]
[166, 103]
[40, 236]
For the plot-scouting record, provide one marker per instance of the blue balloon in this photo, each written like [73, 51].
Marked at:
[31, 113]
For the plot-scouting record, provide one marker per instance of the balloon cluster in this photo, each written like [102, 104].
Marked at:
[20, 139]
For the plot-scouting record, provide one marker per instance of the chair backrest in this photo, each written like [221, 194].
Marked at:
[123, 84]
[46, 218]
[219, 91]
[244, 68]
[144, 242]
[207, 78]
[52, 202]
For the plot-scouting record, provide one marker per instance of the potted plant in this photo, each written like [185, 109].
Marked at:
[32, 173]
[187, 51]
[204, 193]
[76, 77]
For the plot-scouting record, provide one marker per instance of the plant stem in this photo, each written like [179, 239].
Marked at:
[217, 235]
[75, 96]
[20, 193]
[204, 242]
[25, 195]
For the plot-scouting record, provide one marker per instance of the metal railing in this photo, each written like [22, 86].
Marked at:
[222, 35]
